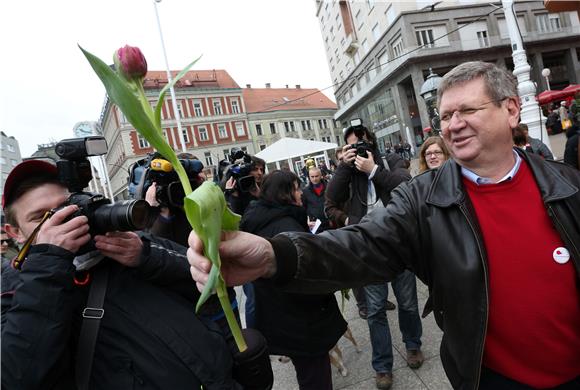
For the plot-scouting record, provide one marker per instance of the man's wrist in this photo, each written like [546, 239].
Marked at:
[282, 259]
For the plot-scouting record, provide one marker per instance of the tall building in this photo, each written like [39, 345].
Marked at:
[9, 157]
[213, 118]
[381, 52]
[274, 113]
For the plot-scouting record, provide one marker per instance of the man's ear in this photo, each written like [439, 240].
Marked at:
[513, 107]
[15, 233]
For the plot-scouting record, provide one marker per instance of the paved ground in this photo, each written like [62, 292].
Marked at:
[361, 375]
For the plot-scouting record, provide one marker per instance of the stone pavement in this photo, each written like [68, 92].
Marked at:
[361, 376]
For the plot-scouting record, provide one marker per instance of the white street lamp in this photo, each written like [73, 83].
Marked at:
[530, 111]
[546, 73]
[169, 79]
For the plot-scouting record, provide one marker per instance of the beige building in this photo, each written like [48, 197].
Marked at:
[274, 113]
[381, 52]
[9, 157]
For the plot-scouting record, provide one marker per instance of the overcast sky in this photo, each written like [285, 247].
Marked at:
[48, 86]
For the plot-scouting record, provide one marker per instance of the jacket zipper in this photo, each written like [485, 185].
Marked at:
[561, 230]
[477, 239]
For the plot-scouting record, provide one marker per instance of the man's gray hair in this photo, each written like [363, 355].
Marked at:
[499, 82]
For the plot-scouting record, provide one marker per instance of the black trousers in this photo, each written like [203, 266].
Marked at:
[313, 373]
[491, 380]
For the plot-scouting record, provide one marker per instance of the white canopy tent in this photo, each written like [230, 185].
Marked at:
[287, 148]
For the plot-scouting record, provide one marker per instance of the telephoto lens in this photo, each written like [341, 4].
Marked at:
[127, 215]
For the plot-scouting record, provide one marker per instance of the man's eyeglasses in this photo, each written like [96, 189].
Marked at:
[436, 153]
[464, 113]
[6, 242]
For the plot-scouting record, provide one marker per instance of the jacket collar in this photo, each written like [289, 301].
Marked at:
[447, 186]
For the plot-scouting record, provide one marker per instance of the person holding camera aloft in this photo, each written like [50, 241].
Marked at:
[93, 308]
[365, 184]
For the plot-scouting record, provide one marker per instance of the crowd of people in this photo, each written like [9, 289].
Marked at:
[118, 313]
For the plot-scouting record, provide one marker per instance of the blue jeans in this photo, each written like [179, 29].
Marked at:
[250, 306]
[405, 288]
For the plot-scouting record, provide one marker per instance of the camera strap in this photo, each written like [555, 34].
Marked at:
[92, 315]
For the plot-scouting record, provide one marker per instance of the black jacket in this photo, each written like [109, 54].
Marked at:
[350, 186]
[429, 228]
[293, 324]
[314, 204]
[149, 337]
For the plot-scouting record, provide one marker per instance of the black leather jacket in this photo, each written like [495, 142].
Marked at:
[430, 228]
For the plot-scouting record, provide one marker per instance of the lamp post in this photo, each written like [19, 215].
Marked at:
[169, 79]
[546, 73]
[429, 94]
[530, 111]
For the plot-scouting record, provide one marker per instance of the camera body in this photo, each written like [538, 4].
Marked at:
[168, 190]
[75, 172]
[239, 167]
[362, 147]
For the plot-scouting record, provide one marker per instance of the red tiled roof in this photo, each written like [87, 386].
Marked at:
[216, 78]
[283, 99]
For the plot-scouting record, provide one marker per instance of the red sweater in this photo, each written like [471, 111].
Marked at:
[533, 332]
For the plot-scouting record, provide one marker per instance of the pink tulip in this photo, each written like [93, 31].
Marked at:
[130, 63]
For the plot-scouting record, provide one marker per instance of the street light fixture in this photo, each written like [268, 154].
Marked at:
[429, 94]
[546, 73]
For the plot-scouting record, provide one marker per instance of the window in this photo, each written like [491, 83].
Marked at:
[272, 128]
[397, 47]
[197, 109]
[10, 147]
[185, 135]
[365, 46]
[208, 159]
[376, 32]
[338, 139]
[202, 130]
[323, 124]
[262, 147]
[259, 129]
[425, 37]
[482, 38]
[223, 133]
[332, 33]
[289, 126]
[235, 107]
[227, 154]
[142, 142]
[391, 14]
[357, 15]
[548, 22]
[166, 136]
[306, 125]
[240, 129]
[371, 4]
[217, 107]
[180, 110]
[326, 139]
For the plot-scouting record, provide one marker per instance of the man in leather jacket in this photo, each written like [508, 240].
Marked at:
[509, 308]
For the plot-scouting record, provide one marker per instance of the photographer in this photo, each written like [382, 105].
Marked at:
[242, 180]
[364, 184]
[147, 333]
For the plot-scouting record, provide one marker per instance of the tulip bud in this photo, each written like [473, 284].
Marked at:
[130, 63]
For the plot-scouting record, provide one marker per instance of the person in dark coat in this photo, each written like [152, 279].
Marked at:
[149, 336]
[302, 327]
[313, 199]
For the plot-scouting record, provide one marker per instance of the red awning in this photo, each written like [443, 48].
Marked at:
[551, 96]
[572, 88]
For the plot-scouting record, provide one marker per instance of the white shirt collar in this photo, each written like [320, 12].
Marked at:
[474, 177]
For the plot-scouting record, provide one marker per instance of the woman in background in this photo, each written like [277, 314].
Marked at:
[433, 154]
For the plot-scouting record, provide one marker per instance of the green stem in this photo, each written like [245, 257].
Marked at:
[224, 298]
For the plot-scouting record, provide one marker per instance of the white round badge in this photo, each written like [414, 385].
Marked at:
[561, 255]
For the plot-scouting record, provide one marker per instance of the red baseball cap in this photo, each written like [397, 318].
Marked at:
[26, 170]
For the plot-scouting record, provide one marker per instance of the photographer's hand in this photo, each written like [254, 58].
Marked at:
[244, 258]
[70, 235]
[150, 196]
[365, 165]
[348, 154]
[123, 247]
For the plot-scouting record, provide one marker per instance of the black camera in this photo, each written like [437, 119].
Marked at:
[155, 169]
[362, 147]
[75, 172]
[239, 167]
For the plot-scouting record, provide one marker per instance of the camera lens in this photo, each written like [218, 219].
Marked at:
[122, 216]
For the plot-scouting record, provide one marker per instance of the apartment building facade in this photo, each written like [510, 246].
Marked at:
[9, 157]
[213, 120]
[380, 53]
[274, 113]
